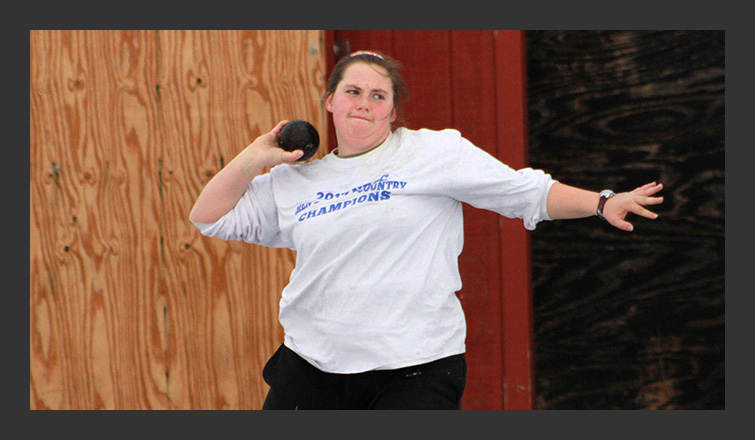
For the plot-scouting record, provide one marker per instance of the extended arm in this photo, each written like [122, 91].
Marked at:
[568, 202]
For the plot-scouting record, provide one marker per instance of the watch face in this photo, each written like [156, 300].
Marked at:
[604, 195]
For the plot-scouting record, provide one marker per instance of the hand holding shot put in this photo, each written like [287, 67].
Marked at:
[226, 188]
[370, 314]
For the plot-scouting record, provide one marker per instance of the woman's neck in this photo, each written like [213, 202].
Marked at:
[349, 153]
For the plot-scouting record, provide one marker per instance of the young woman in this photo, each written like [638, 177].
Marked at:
[370, 314]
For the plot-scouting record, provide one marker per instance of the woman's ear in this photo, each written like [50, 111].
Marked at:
[329, 103]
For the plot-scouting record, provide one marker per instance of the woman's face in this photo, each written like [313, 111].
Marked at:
[362, 108]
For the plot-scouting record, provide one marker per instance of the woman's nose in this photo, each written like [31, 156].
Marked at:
[363, 103]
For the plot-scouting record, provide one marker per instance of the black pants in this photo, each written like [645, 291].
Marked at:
[297, 384]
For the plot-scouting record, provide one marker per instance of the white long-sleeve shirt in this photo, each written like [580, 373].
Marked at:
[377, 240]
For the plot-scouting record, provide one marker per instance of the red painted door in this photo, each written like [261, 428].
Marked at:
[474, 81]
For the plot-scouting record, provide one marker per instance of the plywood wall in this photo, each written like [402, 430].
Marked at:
[129, 307]
[631, 321]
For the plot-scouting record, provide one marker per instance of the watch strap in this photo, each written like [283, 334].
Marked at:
[604, 196]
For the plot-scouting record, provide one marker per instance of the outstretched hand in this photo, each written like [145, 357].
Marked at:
[618, 206]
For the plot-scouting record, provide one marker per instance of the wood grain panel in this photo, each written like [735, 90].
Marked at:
[95, 311]
[217, 92]
[130, 308]
[632, 321]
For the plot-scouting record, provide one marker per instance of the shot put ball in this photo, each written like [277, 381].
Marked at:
[299, 135]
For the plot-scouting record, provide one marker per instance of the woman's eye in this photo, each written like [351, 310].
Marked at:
[378, 96]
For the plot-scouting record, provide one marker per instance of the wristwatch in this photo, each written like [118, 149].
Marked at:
[604, 196]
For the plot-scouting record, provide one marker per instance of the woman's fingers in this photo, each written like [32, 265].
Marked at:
[652, 200]
[277, 129]
[649, 189]
[621, 223]
[291, 157]
[645, 186]
[642, 211]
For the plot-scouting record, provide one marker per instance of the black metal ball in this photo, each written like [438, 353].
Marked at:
[299, 135]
